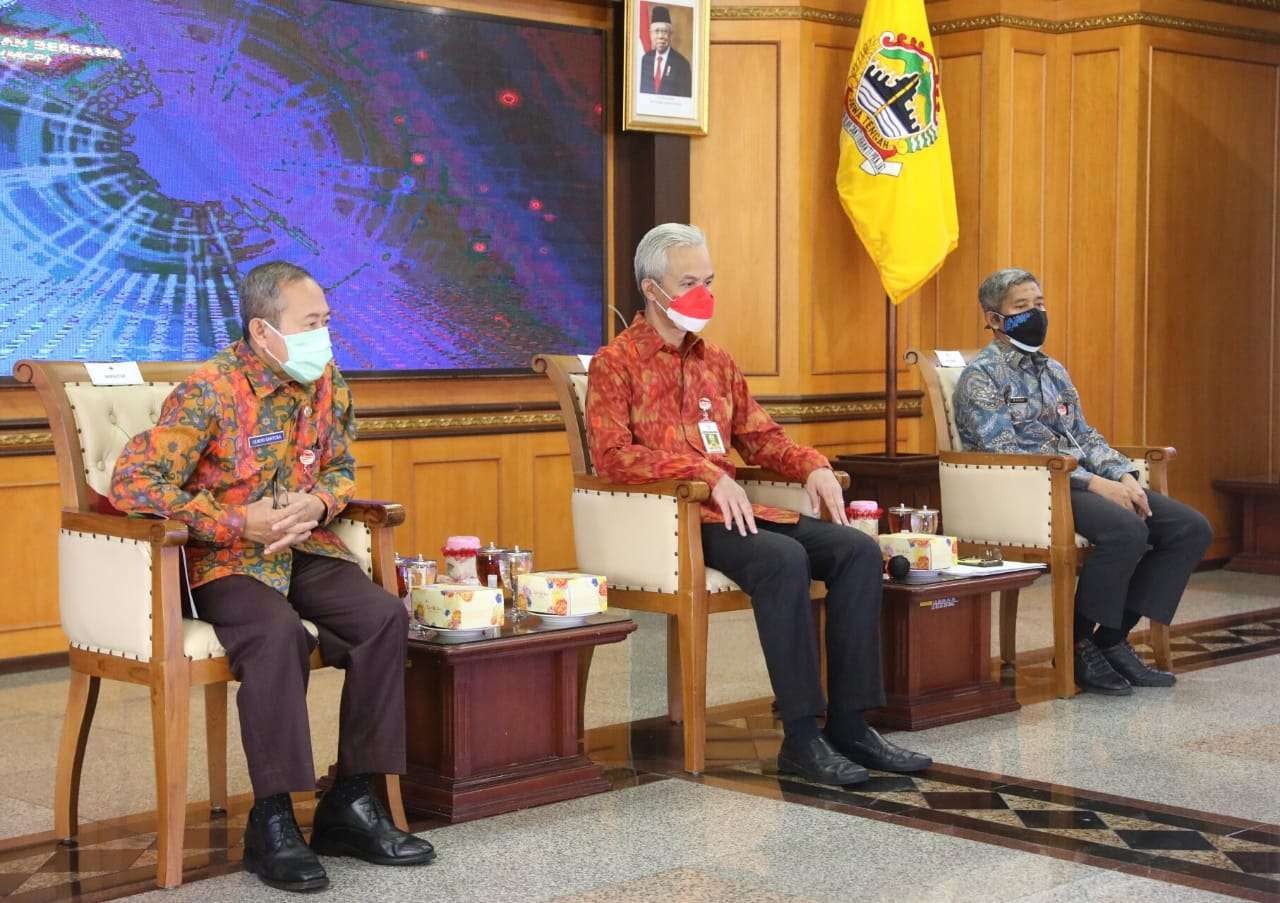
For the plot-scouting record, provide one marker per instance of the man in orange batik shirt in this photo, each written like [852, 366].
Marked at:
[664, 404]
[252, 453]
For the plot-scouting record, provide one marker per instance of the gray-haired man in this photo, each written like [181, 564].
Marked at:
[664, 404]
[1013, 398]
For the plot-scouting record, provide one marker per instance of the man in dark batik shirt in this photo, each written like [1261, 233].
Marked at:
[1013, 398]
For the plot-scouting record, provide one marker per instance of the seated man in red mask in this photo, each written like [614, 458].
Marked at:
[664, 404]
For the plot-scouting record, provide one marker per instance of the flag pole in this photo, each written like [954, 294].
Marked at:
[890, 378]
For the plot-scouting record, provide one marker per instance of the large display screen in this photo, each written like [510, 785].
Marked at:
[441, 174]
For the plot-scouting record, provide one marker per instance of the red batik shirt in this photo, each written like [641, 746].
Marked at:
[223, 433]
[643, 412]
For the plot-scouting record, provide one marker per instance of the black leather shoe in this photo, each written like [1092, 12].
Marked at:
[1094, 673]
[275, 851]
[1124, 659]
[874, 751]
[819, 762]
[363, 828]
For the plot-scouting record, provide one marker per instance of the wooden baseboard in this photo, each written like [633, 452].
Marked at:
[33, 662]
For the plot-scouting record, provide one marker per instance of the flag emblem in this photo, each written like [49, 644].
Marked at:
[892, 109]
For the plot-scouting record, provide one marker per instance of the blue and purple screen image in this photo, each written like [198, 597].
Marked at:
[442, 175]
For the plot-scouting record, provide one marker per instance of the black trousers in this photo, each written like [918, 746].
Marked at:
[774, 568]
[363, 630]
[1139, 565]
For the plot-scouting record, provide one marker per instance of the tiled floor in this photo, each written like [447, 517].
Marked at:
[1169, 794]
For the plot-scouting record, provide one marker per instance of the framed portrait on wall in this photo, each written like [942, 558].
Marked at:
[668, 45]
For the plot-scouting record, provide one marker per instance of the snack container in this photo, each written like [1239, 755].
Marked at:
[925, 551]
[864, 515]
[453, 606]
[564, 593]
[460, 558]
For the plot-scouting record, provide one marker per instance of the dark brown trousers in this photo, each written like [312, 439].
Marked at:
[363, 630]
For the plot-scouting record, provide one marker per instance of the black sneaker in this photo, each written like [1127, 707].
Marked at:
[1094, 673]
[1124, 659]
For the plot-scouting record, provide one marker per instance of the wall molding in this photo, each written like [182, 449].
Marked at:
[1025, 23]
[34, 438]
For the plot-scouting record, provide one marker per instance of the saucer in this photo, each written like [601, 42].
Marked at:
[561, 620]
[458, 633]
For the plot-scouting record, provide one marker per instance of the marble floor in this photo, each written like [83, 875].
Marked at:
[1168, 794]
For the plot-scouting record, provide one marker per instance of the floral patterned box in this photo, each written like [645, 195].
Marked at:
[564, 593]
[925, 551]
[456, 606]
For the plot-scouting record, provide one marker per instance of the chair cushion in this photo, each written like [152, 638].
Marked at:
[200, 641]
[719, 583]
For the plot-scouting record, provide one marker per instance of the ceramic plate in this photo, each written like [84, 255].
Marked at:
[561, 620]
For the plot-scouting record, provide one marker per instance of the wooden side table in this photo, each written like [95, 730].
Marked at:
[936, 639]
[1260, 540]
[494, 724]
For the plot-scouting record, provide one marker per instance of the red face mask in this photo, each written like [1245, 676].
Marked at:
[692, 310]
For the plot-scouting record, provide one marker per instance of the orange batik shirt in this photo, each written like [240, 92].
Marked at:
[224, 433]
[643, 410]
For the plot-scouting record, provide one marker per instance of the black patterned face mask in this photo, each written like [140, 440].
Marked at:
[1026, 329]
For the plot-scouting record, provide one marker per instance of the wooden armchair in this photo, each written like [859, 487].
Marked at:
[1021, 504]
[647, 539]
[120, 602]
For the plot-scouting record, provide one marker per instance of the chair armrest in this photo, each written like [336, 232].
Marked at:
[989, 459]
[1007, 499]
[161, 531]
[1153, 461]
[684, 490]
[374, 513]
[1148, 452]
[765, 475]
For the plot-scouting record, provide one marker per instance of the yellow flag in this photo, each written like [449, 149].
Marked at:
[895, 177]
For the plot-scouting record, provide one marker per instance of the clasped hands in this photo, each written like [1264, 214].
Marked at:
[1125, 492]
[284, 527]
[822, 486]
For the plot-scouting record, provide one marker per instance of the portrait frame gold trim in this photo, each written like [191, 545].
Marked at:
[700, 67]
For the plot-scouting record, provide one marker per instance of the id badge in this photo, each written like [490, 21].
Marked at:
[711, 439]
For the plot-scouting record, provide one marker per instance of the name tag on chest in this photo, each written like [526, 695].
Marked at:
[262, 439]
[711, 440]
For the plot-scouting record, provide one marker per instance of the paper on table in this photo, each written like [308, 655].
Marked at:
[949, 358]
[968, 570]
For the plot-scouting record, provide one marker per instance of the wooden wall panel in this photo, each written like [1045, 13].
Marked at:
[1083, 336]
[1028, 138]
[735, 171]
[955, 305]
[448, 487]
[550, 511]
[29, 618]
[1211, 309]
[847, 314]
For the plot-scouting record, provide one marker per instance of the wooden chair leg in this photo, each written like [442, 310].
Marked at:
[692, 632]
[82, 699]
[1009, 626]
[675, 695]
[1063, 575]
[395, 801]
[170, 716]
[215, 731]
[1159, 640]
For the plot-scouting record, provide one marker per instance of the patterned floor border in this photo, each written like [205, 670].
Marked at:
[1179, 846]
